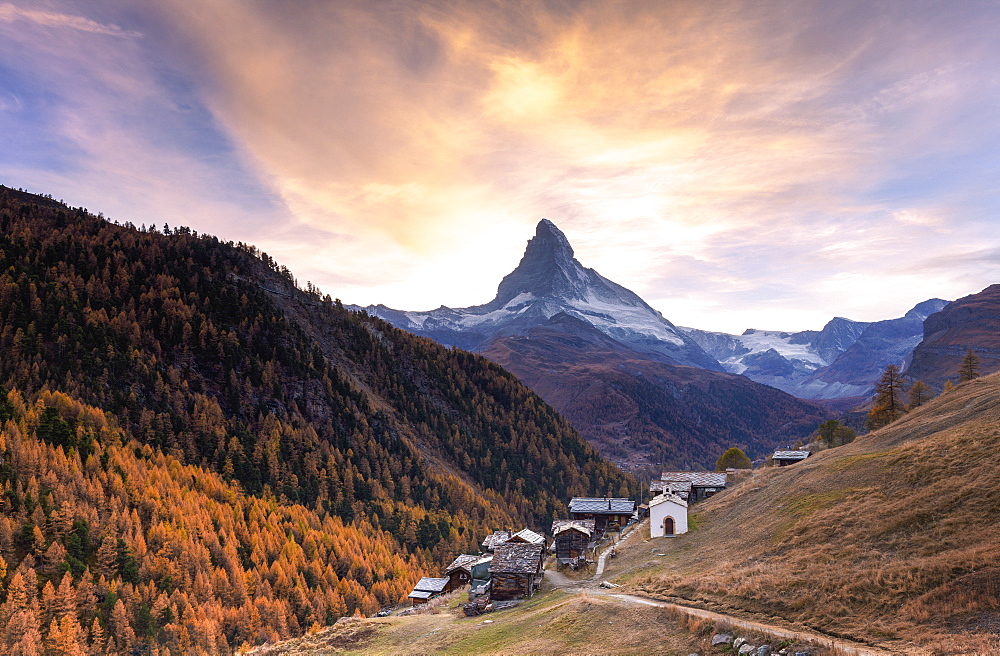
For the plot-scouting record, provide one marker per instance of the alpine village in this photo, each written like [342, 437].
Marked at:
[712, 366]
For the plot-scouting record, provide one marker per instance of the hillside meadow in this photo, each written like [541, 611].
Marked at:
[891, 540]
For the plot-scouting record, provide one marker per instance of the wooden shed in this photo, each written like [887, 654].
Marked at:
[516, 571]
[573, 540]
[527, 536]
[789, 457]
[427, 588]
[467, 568]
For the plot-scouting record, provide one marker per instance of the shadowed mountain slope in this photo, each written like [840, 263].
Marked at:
[646, 413]
[972, 322]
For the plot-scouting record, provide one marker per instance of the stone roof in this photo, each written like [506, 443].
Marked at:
[790, 455]
[431, 584]
[527, 535]
[672, 486]
[667, 496]
[697, 479]
[465, 561]
[421, 594]
[585, 526]
[495, 539]
[517, 558]
[612, 506]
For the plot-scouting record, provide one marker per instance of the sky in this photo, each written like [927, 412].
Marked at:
[737, 164]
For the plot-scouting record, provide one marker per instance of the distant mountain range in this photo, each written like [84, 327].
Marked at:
[645, 392]
[844, 359]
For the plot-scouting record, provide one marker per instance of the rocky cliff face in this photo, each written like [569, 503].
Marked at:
[972, 322]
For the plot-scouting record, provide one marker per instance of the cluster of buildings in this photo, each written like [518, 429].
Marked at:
[510, 564]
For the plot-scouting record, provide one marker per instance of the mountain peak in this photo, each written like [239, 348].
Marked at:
[547, 269]
[549, 239]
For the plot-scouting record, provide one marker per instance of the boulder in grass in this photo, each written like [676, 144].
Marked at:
[721, 639]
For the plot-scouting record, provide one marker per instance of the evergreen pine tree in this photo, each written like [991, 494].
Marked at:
[887, 406]
[969, 369]
[920, 392]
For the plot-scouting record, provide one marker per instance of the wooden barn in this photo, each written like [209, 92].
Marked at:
[467, 568]
[527, 536]
[608, 514]
[703, 484]
[789, 457]
[573, 540]
[516, 571]
[427, 588]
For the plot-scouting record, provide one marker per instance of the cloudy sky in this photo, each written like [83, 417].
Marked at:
[738, 164]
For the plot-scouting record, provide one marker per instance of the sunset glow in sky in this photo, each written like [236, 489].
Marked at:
[737, 164]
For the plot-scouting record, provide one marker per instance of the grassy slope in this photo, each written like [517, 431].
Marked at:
[891, 539]
[553, 623]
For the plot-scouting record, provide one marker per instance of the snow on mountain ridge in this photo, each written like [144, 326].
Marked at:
[549, 280]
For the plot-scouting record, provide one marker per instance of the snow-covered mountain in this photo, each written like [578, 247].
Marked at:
[548, 281]
[844, 359]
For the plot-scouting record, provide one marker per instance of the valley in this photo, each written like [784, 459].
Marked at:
[884, 546]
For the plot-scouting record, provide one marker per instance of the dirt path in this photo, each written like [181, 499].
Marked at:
[846, 647]
[603, 557]
[592, 586]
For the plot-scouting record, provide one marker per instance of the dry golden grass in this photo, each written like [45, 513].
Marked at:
[893, 539]
[554, 623]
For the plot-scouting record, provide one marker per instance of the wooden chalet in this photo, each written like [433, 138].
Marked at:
[573, 540]
[527, 536]
[427, 588]
[703, 484]
[468, 568]
[608, 514]
[516, 571]
[789, 457]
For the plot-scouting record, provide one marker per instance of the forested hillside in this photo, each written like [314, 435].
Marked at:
[208, 355]
[126, 546]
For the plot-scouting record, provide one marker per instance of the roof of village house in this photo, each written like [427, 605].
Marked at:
[527, 535]
[612, 506]
[675, 486]
[431, 584]
[562, 524]
[585, 526]
[790, 455]
[420, 594]
[517, 558]
[465, 561]
[667, 497]
[495, 539]
[697, 479]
